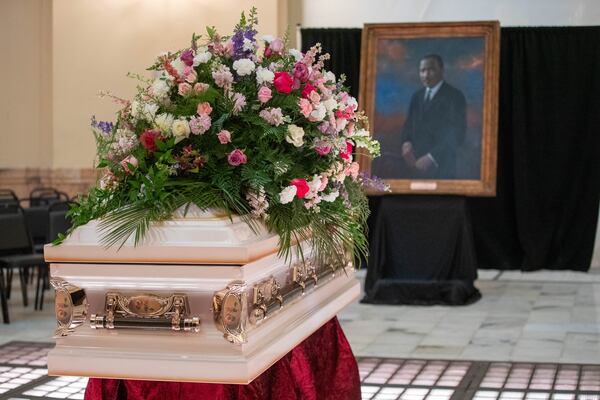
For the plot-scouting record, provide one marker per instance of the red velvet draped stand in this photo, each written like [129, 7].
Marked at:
[321, 367]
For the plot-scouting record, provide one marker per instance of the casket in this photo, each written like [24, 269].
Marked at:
[203, 299]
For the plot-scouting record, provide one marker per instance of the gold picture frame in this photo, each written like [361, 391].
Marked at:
[450, 124]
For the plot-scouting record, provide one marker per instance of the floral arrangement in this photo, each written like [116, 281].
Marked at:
[240, 124]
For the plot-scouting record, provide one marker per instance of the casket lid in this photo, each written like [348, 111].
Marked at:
[199, 237]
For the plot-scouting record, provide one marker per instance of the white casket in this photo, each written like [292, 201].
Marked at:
[202, 299]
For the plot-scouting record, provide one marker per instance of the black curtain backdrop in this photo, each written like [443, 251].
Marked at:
[343, 44]
[548, 190]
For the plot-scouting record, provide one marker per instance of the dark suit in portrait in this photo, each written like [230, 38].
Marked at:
[436, 127]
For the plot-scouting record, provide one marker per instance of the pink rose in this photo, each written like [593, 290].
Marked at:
[305, 107]
[301, 187]
[322, 147]
[190, 74]
[224, 137]
[184, 89]
[283, 82]
[276, 45]
[324, 182]
[314, 97]
[301, 71]
[236, 157]
[352, 170]
[264, 94]
[200, 87]
[129, 160]
[308, 89]
[204, 108]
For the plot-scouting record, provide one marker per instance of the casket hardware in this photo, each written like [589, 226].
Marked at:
[145, 311]
[70, 306]
[266, 296]
[230, 312]
[302, 272]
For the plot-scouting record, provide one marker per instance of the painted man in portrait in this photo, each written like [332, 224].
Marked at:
[435, 126]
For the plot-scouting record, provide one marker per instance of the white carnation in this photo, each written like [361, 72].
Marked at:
[296, 54]
[330, 104]
[268, 38]
[287, 194]
[330, 197]
[295, 135]
[318, 113]
[243, 66]
[181, 129]
[264, 75]
[203, 56]
[164, 122]
[329, 77]
[160, 88]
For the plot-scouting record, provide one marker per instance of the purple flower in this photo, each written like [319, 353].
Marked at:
[236, 157]
[373, 182]
[104, 127]
[187, 57]
[243, 43]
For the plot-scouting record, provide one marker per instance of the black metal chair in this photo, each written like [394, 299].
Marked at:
[9, 202]
[45, 196]
[57, 223]
[16, 252]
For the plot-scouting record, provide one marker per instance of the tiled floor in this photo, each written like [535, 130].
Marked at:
[23, 376]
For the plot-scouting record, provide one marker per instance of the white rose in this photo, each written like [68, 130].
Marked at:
[296, 54]
[329, 77]
[178, 65]
[160, 88]
[181, 130]
[264, 75]
[295, 135]
[330, 104]
[243, 66]
[287, 194]
[267, 38]
[330, 197]
[164, 122]
[318, 113]
[202, 57]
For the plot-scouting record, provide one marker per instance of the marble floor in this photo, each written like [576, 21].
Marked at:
[538, 317]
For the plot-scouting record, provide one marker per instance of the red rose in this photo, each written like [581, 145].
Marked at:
[283, 82]
[346, 154]
[307, 90]
[148, 139]
[301, 187]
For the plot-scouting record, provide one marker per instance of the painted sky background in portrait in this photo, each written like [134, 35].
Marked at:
[397, 78]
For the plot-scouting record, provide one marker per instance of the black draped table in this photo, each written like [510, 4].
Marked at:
[421, 251]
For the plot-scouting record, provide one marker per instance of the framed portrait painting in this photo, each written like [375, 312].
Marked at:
[430, 91]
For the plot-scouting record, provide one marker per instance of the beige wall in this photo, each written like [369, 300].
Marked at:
[96, 42]
[25, 83]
